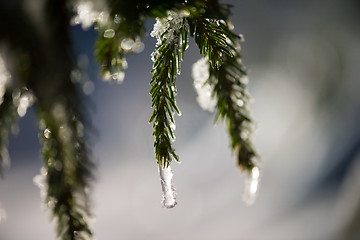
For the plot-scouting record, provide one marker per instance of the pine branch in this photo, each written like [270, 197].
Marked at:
[118, 36]
[67, 171]
[62, 122]
[167, 57]
[227, 76]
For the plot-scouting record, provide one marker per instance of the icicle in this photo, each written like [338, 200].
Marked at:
[168, 190]
[251, 186]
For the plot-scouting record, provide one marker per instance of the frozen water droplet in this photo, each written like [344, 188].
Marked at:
[118, 77]
[51, 204]
[138, 47]
[241, 38]
[109, 33]
[47, 133]
[240, 102]
[88, 87]
[58, 165]
[117, 18]
[127, 44]
[168, 190]
[251, 186]
[230, 25]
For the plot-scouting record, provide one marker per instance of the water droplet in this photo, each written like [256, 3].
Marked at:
[109, 33]
[240, 102]
[51, 204]
[58, 165]
[118, 76]
[47, 133]
[138, 47]
[230, 25]
[88, 87]
[251, 186]
[117, 18]
[168, 190]
[127, 44]
[106, 76]
[241, 38]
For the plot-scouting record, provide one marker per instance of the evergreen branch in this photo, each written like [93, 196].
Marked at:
[226, 74]
[67, 171]
[61, 116]
[214, 40]
[231, 105]
[172, 36]
[8, 118]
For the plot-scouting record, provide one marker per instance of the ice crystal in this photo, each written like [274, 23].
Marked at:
[168, 190]
[200, 74]
[165, 28]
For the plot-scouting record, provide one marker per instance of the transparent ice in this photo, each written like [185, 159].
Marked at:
[168, 190]
[251, 186]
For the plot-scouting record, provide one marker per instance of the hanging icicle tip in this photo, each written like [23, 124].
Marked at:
[167, 187]
[251, 186]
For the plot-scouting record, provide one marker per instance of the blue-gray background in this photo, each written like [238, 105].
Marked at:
[303, 59]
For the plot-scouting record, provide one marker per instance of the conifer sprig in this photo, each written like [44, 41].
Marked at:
[167, 57]
[227, 75]
[67, 172]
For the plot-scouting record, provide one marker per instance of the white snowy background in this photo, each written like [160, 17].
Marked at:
[303, 59]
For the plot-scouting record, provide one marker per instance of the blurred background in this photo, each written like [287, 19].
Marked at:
[304, 67]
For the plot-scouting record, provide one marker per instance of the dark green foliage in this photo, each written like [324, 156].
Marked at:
[227, 74]
[43, 68]
[167, 60]
[209, 25]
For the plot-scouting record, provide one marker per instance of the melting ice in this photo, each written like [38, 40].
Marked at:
[251, 186]
[168, 190]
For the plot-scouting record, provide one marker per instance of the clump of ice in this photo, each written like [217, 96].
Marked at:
[200, 73]
[167, 28]
[168, 190]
